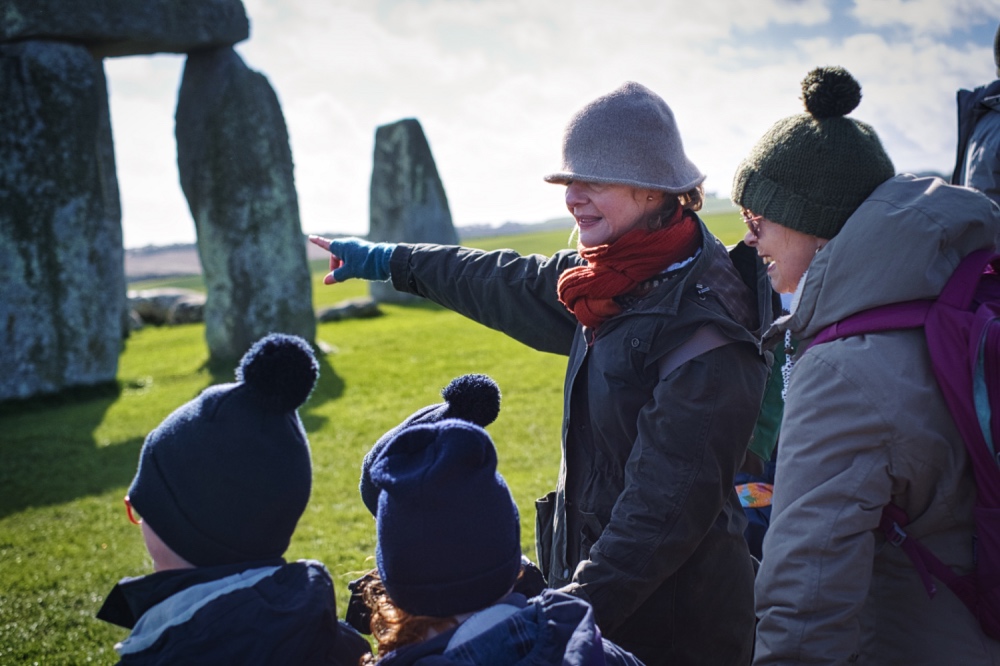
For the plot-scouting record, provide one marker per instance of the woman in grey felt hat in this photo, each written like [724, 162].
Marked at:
[663, 385]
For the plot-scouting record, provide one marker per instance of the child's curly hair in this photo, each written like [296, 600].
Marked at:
[391, 626]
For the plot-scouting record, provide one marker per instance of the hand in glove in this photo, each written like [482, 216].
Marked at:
[355, 258]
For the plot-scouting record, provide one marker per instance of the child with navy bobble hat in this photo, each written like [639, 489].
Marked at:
[449, 554]
[221, 485]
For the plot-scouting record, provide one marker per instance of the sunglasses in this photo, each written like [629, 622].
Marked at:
[752, 221]
[133, 517]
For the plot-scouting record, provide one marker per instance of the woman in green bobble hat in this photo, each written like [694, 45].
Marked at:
[864, 423]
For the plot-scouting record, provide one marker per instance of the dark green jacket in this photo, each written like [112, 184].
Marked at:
[644, 522]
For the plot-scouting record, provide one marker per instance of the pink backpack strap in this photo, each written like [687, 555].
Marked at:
[927, 564]
[895, 316]
[961, 286]
[962, 343]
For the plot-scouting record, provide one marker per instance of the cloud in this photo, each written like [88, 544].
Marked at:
[493, 84]
[927, 17]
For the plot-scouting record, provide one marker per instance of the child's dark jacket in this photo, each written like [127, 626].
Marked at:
[552, 628]
[268, 612]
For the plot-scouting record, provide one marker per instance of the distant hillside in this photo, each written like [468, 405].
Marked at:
[512, 228]
[161, 261]
[152, 261]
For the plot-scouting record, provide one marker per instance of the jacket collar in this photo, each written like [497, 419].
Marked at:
[132, 597]
[668, 297]
[179, 608]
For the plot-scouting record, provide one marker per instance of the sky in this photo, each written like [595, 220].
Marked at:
[494, 82]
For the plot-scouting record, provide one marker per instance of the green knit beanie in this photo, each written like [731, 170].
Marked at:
[811, 171]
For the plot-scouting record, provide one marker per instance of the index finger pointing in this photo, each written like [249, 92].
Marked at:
[320, 241]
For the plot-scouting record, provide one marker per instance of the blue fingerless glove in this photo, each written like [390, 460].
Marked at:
[368, 261]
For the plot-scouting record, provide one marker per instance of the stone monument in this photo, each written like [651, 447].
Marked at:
[407, 199]
[63, 309]
[236, 172]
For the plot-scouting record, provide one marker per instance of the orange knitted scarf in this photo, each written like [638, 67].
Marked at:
[619, 267]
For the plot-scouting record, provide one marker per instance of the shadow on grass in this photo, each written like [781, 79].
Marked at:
[224, 372]
[330, 386]
[48, 454]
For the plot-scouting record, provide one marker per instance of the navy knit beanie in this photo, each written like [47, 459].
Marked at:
[473, 398]
[449, 536]
[226, 477]
[811, 171]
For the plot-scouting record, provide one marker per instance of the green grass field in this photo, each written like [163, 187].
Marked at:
[66, 461]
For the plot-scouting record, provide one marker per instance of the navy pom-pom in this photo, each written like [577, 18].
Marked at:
[281, 369]
[474, 398]
[830, 92]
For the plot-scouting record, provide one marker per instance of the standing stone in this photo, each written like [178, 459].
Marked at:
[127, 27]
[407, 199]
[62, 299]
[236, 172]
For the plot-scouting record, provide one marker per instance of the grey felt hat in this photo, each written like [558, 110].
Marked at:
[627, 137]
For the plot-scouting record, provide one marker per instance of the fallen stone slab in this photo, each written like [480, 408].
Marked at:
[167, 305]
[355, 308]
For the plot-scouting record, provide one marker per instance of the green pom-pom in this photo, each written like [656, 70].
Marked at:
[830, 92]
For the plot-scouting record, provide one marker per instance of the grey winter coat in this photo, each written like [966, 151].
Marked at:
[644, 522]
[865, 424]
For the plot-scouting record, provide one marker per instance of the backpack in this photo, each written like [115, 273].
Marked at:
[962, 329]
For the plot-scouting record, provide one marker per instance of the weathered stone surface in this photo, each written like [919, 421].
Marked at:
[355, 308]
[167, 306]
[62, 309]
[236, 171]
[407, 199]
[127, 27]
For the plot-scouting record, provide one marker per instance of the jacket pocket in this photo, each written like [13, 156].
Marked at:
[545, 508]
